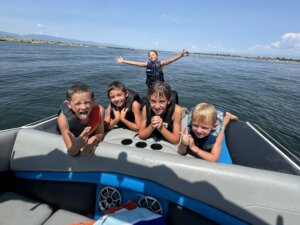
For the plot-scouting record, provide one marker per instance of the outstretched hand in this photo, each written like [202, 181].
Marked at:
[184, 53]
[119, 59]
[228, 117]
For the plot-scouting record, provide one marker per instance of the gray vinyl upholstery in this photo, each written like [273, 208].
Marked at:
[7, 139]
[16, 209]
[256, 196]
[63, 217]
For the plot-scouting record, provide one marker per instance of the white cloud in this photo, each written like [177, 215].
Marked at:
[40, 25]
[288, 44]
[275, 44]
[291, 36]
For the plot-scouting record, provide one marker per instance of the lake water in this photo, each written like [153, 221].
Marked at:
[34, 79]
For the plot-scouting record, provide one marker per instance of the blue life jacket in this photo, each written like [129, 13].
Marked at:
[154, 73]
[132, 96]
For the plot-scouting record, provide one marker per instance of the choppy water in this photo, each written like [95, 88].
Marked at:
[34, 79]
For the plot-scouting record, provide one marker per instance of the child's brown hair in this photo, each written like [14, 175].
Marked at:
[79, 88]
[161, 89]
[115, 85]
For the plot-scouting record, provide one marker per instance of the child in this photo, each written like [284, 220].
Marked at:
[160, 117]
[154, 67]
[80, 121]
[203, 136]
[124, 107]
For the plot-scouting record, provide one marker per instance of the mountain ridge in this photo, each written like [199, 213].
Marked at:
[59, 39]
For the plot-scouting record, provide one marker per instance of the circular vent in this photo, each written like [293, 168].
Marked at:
[109, 197]
[150, 203]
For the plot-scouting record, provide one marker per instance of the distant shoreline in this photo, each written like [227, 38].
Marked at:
[35, 41]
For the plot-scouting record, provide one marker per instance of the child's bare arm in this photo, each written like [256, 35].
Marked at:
[184, 142]
[137, 117]
[209, 156]
[174, 136]
[109, 122]
[73, 144]
[99, 134]
[144, 130]
[93, 141]
[173, 59]
[228, 116]
[129, 62]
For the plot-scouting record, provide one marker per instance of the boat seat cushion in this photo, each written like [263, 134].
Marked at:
[16, 209]
[63, 217]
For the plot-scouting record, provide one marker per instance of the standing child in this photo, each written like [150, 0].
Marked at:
[154, 67]
[204, 134]
[161, 118]
[124, 107]
[80, 120]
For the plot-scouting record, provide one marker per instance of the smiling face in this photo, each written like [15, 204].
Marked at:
[153, 56]
[158, 104]
[204, 118]
[201, 129]
[118, 97]
[81, 103]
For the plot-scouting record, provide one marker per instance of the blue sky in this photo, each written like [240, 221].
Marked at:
[255, 27]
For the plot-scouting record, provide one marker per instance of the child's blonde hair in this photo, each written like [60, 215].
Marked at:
[205, 113]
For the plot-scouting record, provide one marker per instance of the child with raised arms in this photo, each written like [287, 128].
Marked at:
[124, 108]
[154, 67]
[204, 134]
[161, 118]
[80, 120]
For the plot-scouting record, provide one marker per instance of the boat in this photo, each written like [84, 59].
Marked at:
[255, 182]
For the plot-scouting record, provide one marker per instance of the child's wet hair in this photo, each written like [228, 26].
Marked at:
[160, 88]
[115, 85]
[79, 88]
[205, 113]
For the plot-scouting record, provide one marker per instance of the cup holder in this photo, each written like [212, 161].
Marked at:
[156, 146]
[126, 141]
[141, 144]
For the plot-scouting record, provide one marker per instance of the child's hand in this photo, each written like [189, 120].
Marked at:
[117, 114]
[191, 142]
[123, 113]
[90, 146]
[78, 142]
[228, 117]
[185, 139]
[120, 59]
[157, 122]
[184, 53]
